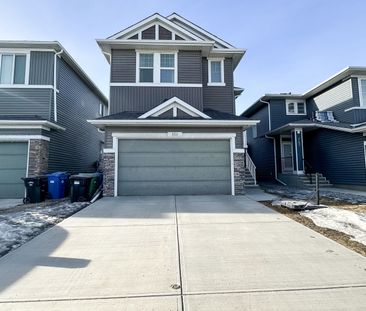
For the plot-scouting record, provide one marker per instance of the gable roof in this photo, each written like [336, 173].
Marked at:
[150, 20]
[338, 77]
[174, 103]
[198, 31]
[194, 38]
[56, 46]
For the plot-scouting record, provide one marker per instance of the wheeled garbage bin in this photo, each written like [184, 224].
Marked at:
[79, 187]
[95, 182]
[58, 184]
[36, 189]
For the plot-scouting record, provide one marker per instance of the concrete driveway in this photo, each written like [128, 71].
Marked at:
[181, 253]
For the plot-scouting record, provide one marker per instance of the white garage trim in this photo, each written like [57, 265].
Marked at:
[173, 136]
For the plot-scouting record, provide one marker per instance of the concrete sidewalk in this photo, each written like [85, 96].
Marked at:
[181, 253]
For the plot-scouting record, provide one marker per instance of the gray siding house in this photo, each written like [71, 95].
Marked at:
[45, 100]
[322, 130]
[171, 126]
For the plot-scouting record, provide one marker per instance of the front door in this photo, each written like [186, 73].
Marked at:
[286, 157]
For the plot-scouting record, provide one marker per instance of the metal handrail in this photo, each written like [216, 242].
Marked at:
[249, 164]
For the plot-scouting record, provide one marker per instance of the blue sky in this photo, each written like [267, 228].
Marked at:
[291, 45]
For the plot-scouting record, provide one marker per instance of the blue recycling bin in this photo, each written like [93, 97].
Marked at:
[57, 184]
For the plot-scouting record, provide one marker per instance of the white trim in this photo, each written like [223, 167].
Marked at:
[14, 52]
[25, 86]
[108, 150]
[161, 122]
[200, 30]
[156, 84]
[156, 67]
[364, 151]
[298, 171]
[354, 108]
[168, 135]
[295, 102]
[16, 123]
[5, 138]
[174, 102]
[26, 127]
[239, 150]
[149, 21]
[221, 60]
[27, 169]
[362, 103]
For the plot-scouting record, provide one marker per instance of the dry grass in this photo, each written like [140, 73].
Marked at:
[337, 236]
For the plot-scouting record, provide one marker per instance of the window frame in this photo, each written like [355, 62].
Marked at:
[362, 100]
[15, 52]
[296, 110]
[222, 63]
[157, 67]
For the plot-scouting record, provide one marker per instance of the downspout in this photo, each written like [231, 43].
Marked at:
[273, 139]
[55, 85]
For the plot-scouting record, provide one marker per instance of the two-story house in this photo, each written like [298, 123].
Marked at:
[45, 100]
[171, 127]
[321, 131]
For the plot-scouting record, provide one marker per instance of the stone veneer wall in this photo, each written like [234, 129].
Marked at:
[108, 174]
[239, 173]
[38, 157]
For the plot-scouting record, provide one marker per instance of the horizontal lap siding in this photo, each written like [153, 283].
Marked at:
[337, 155]
[24, 101]
[219, 98]
[77, 148]
[41, 68]
[144, 98]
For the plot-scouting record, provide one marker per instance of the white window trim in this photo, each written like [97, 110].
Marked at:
[173, 136]
[295, 101]
[27, 63]
[364, 151]
[156, 67]
[362, 102]
[222, 61]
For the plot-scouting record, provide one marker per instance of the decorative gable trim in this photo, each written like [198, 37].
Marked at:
[174, 103]
[198, 31]
[155, 19]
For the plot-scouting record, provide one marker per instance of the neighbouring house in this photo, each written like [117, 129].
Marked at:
[322, 130]
[171, 126]
[45, 100]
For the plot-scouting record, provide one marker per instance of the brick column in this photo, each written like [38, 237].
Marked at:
[108, 174]
[38, 157]
[239, 173]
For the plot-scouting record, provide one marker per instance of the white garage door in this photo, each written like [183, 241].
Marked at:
[167, 167]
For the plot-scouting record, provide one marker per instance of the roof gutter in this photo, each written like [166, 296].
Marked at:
[55, 90]
[45, 123]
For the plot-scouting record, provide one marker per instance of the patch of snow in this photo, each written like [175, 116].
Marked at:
[16, 228]
[348, 222]
[9, 203]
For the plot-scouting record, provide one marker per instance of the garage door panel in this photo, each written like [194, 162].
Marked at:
[174, 173]
[178, 188]
[166, 167]
[175, 159]
[13, 161]
[168, 146]
[13, 166]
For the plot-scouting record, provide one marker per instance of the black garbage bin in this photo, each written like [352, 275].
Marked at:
[79, 188]
[36, 189]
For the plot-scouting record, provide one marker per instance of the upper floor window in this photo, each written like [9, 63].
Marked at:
[362, 91]
[156, 67]
[216, 72]
[294, 107]
[13, 68]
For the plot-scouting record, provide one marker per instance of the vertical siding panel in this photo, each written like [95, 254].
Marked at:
[41, 68]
